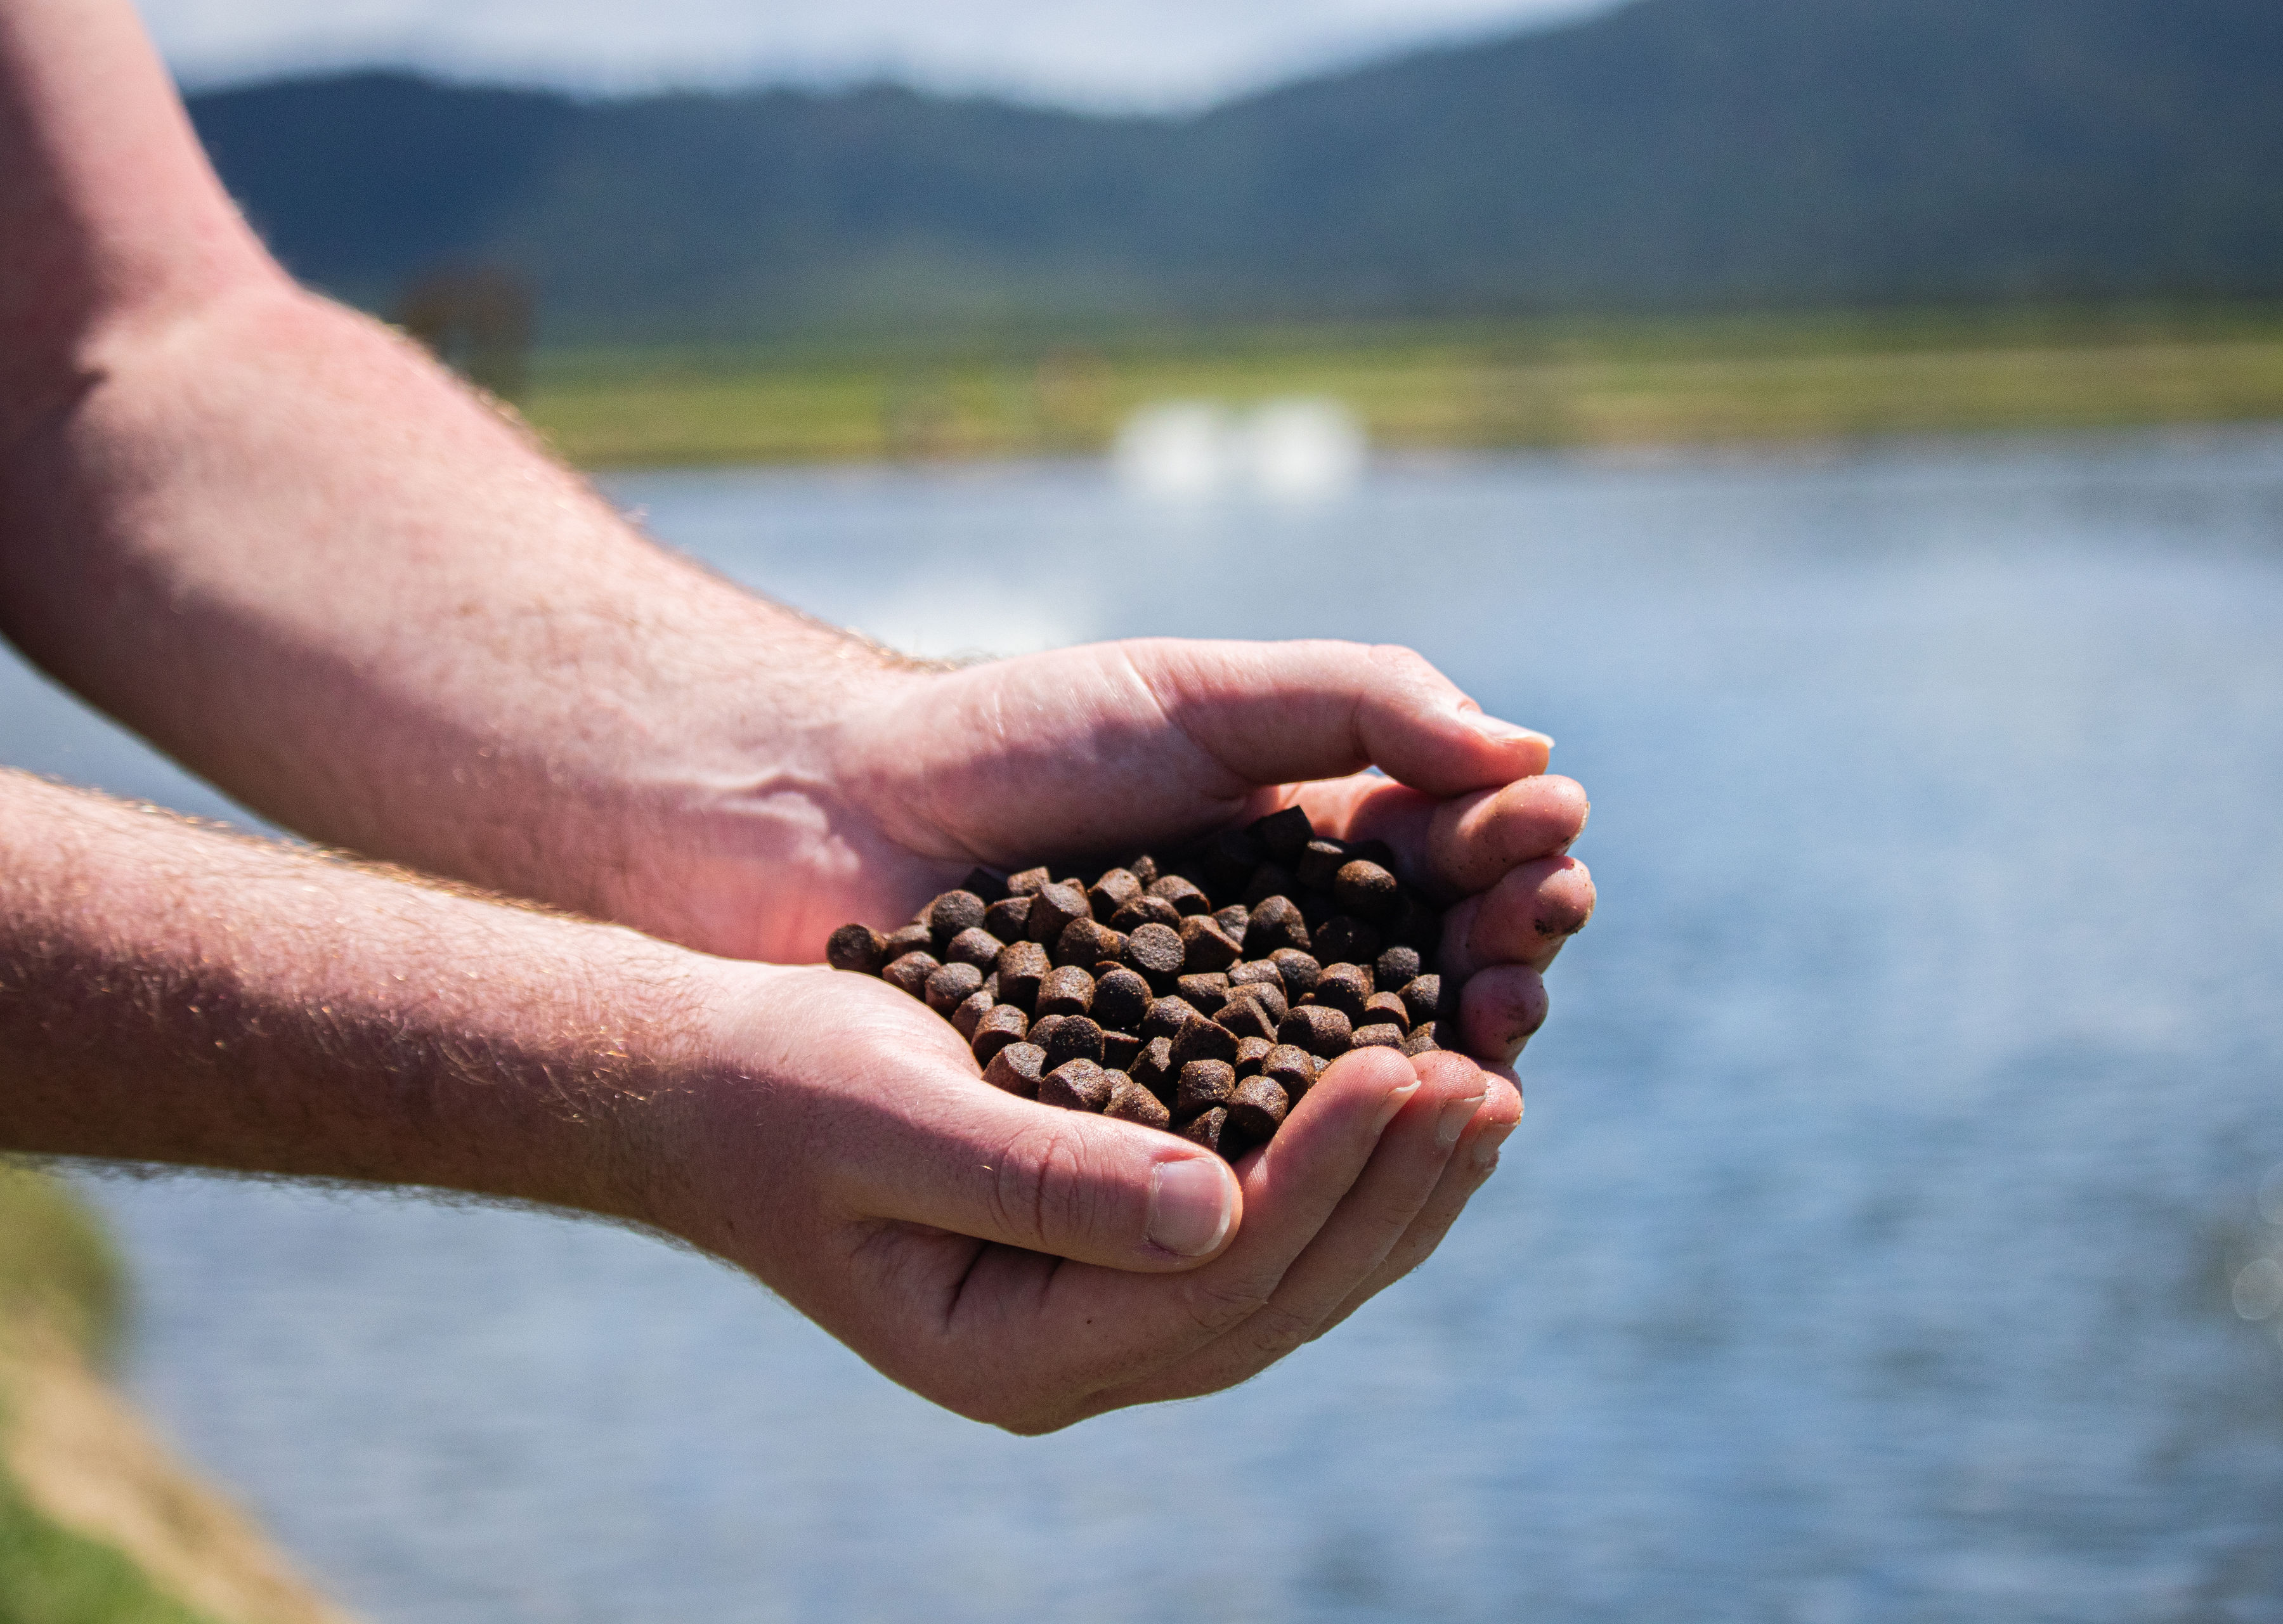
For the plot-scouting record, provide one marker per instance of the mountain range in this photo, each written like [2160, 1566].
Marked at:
[1667, 154]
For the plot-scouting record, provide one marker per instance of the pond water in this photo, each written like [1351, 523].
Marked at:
[1866, 1253]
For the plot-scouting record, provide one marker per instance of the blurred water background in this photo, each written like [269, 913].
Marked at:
[1870, 1250]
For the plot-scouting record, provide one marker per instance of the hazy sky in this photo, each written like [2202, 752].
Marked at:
[1109, 52]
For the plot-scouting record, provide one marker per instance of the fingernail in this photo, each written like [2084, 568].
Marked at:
[1486, 1146]
[1453, 1119]
[1191, 1204]
[1396, 1101]
[1502, 732]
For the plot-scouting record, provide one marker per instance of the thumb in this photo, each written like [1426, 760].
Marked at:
[1278, 712]
[987, 1163]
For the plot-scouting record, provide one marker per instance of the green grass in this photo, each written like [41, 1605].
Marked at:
[55, 1266]
[1708, 379]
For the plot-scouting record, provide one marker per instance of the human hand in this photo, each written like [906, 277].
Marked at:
[1029, 1266]
[1117, 747]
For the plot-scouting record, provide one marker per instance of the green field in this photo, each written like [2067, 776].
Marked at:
[1707, 380]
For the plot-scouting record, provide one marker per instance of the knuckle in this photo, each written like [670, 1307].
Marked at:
[1038, 1188]
[1215, 1307]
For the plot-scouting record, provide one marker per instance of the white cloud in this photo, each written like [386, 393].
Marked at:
[1129, 53]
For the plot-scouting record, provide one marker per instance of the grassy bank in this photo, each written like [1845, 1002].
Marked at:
[1707, 380]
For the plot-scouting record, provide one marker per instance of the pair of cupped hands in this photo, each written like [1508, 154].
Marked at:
[1030, 1266]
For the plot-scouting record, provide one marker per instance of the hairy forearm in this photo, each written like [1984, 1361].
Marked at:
[172, 993]
[284, 545]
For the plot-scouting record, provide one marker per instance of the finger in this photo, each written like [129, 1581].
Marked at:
[1454, 847]
[1526, 917]
[1274, 713]
[1469, 1169]
[1096, 1330]
[1498, 1010]
[1405, 1171]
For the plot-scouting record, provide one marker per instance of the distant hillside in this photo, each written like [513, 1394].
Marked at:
[1669, 153]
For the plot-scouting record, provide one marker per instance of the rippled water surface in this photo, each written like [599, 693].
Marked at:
[1865, 1255]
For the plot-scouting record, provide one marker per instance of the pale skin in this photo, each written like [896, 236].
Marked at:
[280, 543]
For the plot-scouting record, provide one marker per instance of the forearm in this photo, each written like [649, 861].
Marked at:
[286, 545]
[172, 993]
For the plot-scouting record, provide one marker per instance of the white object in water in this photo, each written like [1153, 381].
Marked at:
[1302, 448]
[1178, 450]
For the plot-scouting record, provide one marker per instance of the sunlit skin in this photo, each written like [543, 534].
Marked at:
[275, 538]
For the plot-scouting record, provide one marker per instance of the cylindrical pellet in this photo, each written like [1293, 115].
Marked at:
[1422, 996]
[952, 913]
[1002, 1024]
[1009, 919]
[1120, 1000]
[856, 947]
[1291, 1069]
[908, 939]
[1256, 1107]
[1076, 1085]
[1275, 922]
[1205, 946]
[1301, 970]
[911, 973]
[1398, 967]
[950, 985]
[1131, 1102]
[976, 946]
[971, 1011]
[1366, 891]
[1166, 1017]
[1319, 1029]
[1205, 1128]
[1252, 1055]
[1074, 1037]
[1381, 1037]
[1146, 911]
[1111, 892]
[1344, 987]
[1026, 883]
[1201, 1040]
[1017, 1069]
[1283, 834]
[1066, 991]
[1184, 894]
[1202, 1086]
[1053, 908]
[1021, 967]
[1088, 942]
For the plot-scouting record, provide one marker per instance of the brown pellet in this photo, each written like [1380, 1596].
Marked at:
[1120, 1050]
[1009, 919]
[1203, 1085]
[1320, 863]
[1381, 1037]
[1027, 883]
[1388, 1006]
[1205, 1129]
[1154, 1068]
[1245, 1017]
[1252, 1055]
[1017, 1069]
[1395, 967]
[1166, 1017]
[1002, 1024]
[1052, 907]
[1200, 1040]
[1156, 951]
[1075, 1038]
[1422, 1039]
[1277, 922]
[909, 939]
[1113, 892]
[1229, 858]
[952, 913]
[1042, 1027]
[1344, 987]
[856, 947]
[1268, 994]
[976, 946]
[1088, 942]
[1283, 834]
[1367, 890]
[1291, 1069]
[1146, 911]
[911, 971]
[1422, 997]
[1257, 970]
[1232, 919]
[1076, 1085]
[971, 1011]
[1301, 970]
[950, 985]
[1185, 896]
[1317, 1028]
[1256, 1108]
[1065, 991]
[1145, 869]
[1131, 1102]
[1022, 966]
[1269, 880]
[1207, 992]
[1344, 939]
[1120, 1000]
[1205, 946]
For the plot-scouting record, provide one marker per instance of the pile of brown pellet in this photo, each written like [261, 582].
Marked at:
[1204, 998]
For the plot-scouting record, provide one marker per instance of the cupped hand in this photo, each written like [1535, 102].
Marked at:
[1100, 751]
[1029, 1266]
